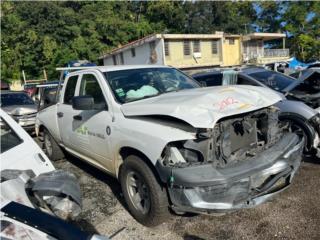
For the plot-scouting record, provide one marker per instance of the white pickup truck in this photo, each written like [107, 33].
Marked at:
[171, 143]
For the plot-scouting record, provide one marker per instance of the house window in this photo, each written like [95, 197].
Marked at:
[166, 48]
[121, 58]
[114, 58]
[231, 41]
[214, 47]
[186, 48]
[133, 52]
[196, 46]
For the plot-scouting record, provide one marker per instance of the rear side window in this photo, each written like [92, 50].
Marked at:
[210, 80]
[90, 87]
[244, 81]
[70, 89]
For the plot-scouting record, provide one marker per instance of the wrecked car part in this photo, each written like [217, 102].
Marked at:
[59, 190]
[9, 174]
[43, 222]
[64, 208]
[14, 189]
[209, 188]
[241, 162]
[315, 122]
[231, 140]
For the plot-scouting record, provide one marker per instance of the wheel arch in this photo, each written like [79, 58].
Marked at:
[303, 122]
[126, 151]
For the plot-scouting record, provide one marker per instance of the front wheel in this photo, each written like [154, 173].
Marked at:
[147, 201]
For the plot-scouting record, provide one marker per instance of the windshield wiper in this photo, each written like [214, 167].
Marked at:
[175, 90]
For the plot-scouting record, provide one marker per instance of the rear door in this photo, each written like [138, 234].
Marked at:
[69, 129]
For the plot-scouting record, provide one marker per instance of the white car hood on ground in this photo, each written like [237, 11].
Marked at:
[203, 107]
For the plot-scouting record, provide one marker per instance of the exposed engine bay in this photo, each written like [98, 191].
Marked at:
[232, 140]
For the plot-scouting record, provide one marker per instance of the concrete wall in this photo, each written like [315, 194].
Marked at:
[232, 52]
[177, 58]
[143, 55]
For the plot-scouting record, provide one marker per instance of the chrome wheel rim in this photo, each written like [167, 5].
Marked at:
[47, 145]
[138, 192]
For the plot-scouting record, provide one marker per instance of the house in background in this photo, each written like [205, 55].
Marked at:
[254, 50]
[190, 51]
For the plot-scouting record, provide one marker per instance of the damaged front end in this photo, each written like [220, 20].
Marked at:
[57, 192]
[241, 162]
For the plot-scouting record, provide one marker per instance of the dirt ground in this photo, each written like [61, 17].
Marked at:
[293, 214]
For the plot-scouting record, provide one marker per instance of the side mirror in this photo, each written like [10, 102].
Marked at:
[82, 103]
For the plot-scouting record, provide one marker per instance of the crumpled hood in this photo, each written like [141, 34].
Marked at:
[18, 110]
[203, 107]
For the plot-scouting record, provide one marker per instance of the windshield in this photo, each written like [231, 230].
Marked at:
[274, 80]
[135, 84]
[9, 138]
[15, 99]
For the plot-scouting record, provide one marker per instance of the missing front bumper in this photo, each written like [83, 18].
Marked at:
[240, 187]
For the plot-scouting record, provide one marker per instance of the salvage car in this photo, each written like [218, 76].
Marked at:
[20, 107]
[170, 143]
[28, 176]
[303, 119]
[309, 78]
[305, 89]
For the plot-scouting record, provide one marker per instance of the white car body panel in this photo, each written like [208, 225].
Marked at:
[203, 107]
[25, 155]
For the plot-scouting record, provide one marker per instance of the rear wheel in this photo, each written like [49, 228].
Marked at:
[147, 201]
[51, 147]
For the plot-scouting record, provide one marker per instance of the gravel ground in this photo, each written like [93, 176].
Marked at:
[293, 214]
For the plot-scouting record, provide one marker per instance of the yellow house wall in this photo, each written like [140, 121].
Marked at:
[16, 86]
[231, 53]
[176, 57]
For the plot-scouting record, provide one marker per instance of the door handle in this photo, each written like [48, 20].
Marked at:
[60, 114]
[77, 117]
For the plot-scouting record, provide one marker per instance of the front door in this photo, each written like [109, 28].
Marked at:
[95, 124]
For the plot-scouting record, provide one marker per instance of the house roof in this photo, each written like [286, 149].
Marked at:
[132, 44]
[263, 36]
[152, 37]
[216, 35]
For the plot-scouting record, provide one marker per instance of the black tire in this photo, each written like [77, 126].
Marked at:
[301, 126]
[56, 152]
[158, 210]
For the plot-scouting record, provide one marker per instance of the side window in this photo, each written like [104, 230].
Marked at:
[90, 87]
[211, 80]
[244, 81]
[70, 90]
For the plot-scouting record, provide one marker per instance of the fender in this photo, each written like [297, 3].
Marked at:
[295, 107]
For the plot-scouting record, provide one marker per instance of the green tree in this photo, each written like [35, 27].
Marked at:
[302, 21]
